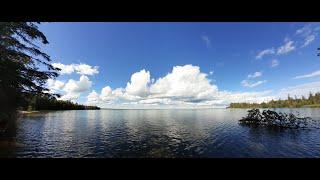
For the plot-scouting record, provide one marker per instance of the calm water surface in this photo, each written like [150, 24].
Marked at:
[159, 133]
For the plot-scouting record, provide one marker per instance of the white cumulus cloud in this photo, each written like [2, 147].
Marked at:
[138, 85]
[55, 84]
[65, 69]
[74, 88]
[83, 69]
[82, 85]
[106, 93]
[93, 98]
[183, 82]
[184, 87]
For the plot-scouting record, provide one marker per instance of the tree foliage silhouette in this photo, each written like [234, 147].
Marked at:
[24, 68]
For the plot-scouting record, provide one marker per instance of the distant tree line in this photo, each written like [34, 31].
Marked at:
[312, 101]
[43, 102]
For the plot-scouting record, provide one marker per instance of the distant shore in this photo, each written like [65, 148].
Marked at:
[307, 106]
[28, 112]
[33, 112]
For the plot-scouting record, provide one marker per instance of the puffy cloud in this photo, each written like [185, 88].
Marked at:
[74, 88]
[93, 98]
[86, 69]
[106, 94]
[255, 75]
[121, 94]
[274, 63]
[65, 69]
[184, 87]
[55, 84]
[118, 92]
[138, 85]
[183, 82]
[265, 52]
[83, 69]
[286, 48]
[70, 96]
[82, 85]
[313, 74]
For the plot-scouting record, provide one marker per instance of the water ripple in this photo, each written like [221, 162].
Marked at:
[158, 133]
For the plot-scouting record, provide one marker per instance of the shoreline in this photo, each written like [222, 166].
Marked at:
[309, 107]
[28, 112]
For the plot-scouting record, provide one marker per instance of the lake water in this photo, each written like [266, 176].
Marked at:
[159, 133]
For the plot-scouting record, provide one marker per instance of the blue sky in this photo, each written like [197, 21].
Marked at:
[230, 51]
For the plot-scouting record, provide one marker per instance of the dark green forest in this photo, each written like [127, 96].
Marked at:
[312, 101]
[50, 103]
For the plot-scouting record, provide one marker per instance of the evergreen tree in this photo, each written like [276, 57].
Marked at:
[24, 68]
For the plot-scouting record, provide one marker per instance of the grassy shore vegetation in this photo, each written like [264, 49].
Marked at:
[24, 71]
[313, 101]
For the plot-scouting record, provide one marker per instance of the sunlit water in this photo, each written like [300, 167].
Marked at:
[159, 133]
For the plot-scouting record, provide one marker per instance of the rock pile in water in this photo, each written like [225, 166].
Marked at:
[273, 119]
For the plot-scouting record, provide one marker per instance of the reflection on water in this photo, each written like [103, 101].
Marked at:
[159, 133]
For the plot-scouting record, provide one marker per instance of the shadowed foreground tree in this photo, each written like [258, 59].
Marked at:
[24, 68]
